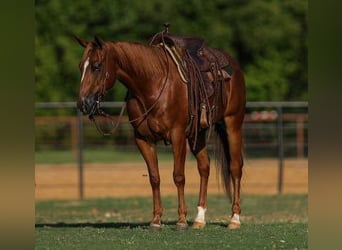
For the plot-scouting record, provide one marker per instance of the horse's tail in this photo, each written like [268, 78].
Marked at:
[222, 157]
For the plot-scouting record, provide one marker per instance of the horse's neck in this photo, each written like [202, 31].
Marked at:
[139, 67]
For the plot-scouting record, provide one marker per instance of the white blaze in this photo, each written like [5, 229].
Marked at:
[86, 63]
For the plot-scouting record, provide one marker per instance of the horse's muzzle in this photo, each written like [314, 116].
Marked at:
[89, 105]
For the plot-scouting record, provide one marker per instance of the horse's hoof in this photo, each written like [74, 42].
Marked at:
[198, 225]
[234, 222]
[155, 227]
[181, 226]
[234, 225]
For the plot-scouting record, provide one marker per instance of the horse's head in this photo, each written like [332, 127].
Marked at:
[98, 75]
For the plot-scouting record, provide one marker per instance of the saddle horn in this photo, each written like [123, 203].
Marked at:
[166, 27]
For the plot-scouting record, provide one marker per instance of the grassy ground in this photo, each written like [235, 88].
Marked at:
[93, 155]
[269, 222]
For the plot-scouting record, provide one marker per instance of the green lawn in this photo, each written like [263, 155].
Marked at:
[94, 155]
[268, 222]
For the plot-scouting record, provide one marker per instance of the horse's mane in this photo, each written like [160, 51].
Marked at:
[142, 60]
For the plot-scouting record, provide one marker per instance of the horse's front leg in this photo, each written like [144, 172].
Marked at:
[179, 154]
[200, 152]
[148, 151]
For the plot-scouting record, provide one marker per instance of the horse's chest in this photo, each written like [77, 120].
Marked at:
[153, 130]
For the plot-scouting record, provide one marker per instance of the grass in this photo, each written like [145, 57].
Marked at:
[269, 222]
[93, 155]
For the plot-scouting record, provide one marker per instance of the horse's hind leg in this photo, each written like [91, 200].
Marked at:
[233, 118]
[203, 165]
[149, 153]
[234, 131]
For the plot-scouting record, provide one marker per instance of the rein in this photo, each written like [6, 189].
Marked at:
[100, 112]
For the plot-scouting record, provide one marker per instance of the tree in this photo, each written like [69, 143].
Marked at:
[268, 38]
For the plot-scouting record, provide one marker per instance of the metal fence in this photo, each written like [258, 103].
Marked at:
[266, 126]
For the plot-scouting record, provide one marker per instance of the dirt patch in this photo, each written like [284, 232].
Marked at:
[60, 181]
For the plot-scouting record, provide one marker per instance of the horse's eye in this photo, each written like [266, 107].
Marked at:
[96, 67]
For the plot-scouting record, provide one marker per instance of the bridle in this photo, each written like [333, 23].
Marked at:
[97, 111]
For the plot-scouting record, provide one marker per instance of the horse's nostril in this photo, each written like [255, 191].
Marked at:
[87, 104]
[80, 105]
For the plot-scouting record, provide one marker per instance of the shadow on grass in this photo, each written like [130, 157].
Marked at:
[117, 225]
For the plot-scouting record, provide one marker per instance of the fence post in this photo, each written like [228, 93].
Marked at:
[280, 149]
[80, 153]
[74, 135]
[300, 136]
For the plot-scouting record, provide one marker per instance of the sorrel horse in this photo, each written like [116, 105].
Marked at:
[157, 106]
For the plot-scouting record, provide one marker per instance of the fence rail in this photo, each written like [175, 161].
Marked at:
[276, 116]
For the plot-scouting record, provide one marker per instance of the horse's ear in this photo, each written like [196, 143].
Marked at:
[82, 42]
[99, 42]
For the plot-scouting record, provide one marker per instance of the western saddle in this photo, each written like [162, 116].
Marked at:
[204, 70]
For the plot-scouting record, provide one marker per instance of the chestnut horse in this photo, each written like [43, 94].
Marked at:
[157, 106]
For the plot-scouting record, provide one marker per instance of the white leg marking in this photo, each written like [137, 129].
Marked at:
[235, 219]
[200, 215]
[86, 63]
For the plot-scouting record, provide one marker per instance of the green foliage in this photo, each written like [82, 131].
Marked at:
[268, 38]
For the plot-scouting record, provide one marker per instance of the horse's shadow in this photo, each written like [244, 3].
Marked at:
[118, 225]
[115, 225]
